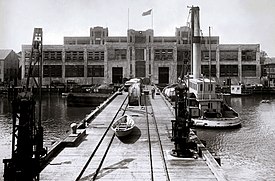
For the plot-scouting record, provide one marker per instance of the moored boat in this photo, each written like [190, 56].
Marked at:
[206, 107]
[240, 90]
[123, 126]
[227, 118]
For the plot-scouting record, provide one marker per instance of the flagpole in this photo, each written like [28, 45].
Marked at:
[152, 20]
[128, 18]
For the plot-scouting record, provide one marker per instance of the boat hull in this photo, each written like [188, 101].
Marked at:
[123, 126]
[217, 122]
[123, 133]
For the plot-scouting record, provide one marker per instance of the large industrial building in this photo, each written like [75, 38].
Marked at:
[100, 58]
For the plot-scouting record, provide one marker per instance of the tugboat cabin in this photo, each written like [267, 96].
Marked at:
[205, 99]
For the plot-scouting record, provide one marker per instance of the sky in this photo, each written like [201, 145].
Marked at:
[234, 21]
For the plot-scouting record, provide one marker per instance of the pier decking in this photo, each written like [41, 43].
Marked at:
[144, 155]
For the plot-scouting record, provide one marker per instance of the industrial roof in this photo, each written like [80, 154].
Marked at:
[4, 53]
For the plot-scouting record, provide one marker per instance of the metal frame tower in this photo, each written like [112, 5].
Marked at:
[27, 133]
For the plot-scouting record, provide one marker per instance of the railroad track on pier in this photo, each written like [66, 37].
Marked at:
[153, 159]
[120, 112]
[157, 147]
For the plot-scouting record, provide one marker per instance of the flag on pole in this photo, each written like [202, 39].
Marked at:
[147, 12]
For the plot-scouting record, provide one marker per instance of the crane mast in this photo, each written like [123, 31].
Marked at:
[27, 133]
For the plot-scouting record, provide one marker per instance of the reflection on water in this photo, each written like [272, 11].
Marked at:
[57, 117]
[247, 152]
[56, 120]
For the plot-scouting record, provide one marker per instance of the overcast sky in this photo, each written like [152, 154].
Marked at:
[235, 21]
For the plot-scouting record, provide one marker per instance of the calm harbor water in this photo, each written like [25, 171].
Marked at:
[56, 120]
[246, 153]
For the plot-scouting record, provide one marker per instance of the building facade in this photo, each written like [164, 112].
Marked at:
[100, 58]
[268, 74]
[9, 64]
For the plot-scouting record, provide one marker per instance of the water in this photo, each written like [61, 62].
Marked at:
[56, 120]
[246, 153]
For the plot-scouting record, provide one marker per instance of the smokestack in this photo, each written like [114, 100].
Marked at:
[195, 24]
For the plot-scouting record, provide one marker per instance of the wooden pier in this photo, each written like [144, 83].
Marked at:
[144, 155]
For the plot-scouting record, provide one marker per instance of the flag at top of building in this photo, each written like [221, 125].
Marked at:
[147, 12]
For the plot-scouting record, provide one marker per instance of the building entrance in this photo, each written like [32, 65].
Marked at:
[117, 74]
[163, 75]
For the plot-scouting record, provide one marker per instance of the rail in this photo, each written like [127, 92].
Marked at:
[97, 146]
[158, 140]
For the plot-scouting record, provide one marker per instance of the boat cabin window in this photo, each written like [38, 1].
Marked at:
[210, 87]
[201, 87]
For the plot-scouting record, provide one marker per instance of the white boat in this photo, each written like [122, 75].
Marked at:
[123, 126]
[206, 107]
[209, 109]
[227, 118]
[240, 90]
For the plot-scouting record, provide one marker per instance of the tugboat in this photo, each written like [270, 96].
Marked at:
[209, 109]
[206, 107]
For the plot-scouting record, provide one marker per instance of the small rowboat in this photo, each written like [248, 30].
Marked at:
[123, 125]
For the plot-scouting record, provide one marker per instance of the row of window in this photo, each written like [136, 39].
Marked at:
[163, 54]
[96, 55]
[159, 54]
[70, 70]
[225, 70]
[70, 55]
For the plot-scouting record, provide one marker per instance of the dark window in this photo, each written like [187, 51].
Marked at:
[229, 55]
[248, 70]
[52, 71]
[139, 54]
[248, 55]
[184, 56]
[228, 70]
[205, 70]
[164, 54]
[52, 56]
[95, 71]
[34, 72]
[131, 53]
[120, 54]
[73, 56]
[95, 55]
[140, 39]
[205, 56]
[74, 71]
[183, 69]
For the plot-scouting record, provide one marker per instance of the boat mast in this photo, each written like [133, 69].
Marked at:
[210, 60]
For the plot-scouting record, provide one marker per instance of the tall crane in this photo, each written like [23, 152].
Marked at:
[27, 133]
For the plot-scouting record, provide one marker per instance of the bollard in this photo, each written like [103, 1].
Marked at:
[73, 127]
